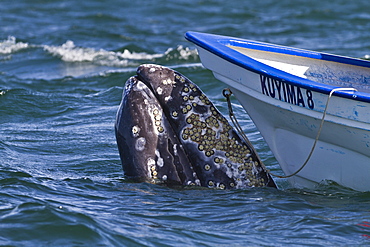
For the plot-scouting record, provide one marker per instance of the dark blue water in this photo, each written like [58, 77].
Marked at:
[63, 65]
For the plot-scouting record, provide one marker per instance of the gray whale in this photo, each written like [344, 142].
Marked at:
[168, 131]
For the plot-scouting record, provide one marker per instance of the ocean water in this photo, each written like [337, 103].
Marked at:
[63, 65]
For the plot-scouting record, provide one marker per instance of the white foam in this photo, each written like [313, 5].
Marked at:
[182, 53]
[186, 53]
[69, 52]
[10, 45]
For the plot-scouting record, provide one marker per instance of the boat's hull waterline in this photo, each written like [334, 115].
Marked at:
[283, 92]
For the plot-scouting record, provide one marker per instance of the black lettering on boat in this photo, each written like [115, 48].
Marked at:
[278, 87]
[271, 87]
[309, 99]
[300, 100]
[263, 84]
[292, 94]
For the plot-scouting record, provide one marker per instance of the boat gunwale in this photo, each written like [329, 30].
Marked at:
[219, 45]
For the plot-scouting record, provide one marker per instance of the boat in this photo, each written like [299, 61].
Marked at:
[311, 108]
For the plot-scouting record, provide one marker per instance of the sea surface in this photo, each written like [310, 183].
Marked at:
[63, 65]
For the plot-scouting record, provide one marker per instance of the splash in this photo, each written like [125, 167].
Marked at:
[181, 53]
[69, 52]
[10, 45]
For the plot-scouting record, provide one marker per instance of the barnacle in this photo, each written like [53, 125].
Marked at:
[207, 167]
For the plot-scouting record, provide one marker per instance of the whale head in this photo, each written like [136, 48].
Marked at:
[168, 131]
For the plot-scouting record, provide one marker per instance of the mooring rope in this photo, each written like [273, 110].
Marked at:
[227, 93]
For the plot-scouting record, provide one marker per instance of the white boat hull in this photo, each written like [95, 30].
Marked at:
[289, 117]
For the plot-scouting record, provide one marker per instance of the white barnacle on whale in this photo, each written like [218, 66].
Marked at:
[135, 131]
[156, 116]
[160, 162]
[168, 81]
[140, 144]
[140, 85]
[150, 162]
[159, 90]
[151, 166]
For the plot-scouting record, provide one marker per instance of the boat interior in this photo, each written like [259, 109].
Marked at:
[322, 71]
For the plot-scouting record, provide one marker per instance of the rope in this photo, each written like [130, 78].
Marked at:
[227, 93]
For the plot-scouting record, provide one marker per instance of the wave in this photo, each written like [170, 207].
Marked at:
[69, 52]
[10, 45]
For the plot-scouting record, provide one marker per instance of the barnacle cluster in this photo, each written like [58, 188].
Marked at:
[157, 115]
[152, 168]
[214, 137]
